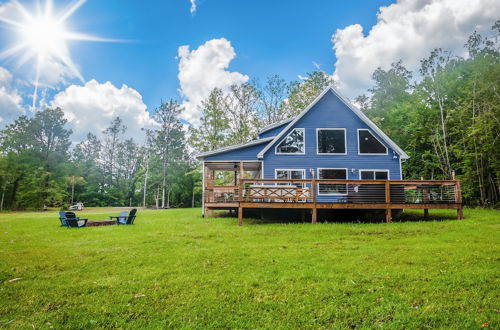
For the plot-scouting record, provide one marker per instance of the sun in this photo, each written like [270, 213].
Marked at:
[43, 38]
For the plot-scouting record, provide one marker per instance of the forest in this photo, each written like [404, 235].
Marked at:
[445, 116]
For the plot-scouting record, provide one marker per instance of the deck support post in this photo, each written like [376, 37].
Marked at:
[240, 216]
[460, 213]
[314, 215]
[388, 215]
[426, 213]
[208, 212]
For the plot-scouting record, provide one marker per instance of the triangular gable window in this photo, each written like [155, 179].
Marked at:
[293, 143]
[369, 144]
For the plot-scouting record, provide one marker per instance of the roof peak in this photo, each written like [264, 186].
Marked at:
[350, 106]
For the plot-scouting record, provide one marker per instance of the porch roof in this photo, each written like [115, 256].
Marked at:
[252, 143]
[233, 166]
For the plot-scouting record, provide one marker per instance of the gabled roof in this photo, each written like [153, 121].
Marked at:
[353, 108]
[278, 124]
[234, 147]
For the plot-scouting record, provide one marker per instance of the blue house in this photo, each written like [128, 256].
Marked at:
[289, 162]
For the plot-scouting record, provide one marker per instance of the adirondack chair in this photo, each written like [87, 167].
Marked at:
[124, 219]
[70, 220]
[62, 218]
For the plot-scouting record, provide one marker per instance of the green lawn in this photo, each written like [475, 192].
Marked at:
[176, 269]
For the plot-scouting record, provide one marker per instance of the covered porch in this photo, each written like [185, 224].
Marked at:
[221, 182]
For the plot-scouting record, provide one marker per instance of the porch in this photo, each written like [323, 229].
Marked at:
[244, 189]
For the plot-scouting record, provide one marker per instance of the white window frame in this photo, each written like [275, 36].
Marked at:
[371, 154]
[375, 170]
[289, 169]
[331, 168]
[291, 153]
[331, 129]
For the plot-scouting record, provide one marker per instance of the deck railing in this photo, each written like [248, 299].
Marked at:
[338, 191]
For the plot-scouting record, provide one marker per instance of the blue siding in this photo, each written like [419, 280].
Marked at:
[248, 153]
[331, 112]
[273, 132]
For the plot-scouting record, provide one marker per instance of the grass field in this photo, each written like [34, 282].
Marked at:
[176, 269]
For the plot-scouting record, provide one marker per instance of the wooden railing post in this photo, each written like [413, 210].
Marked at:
[387, 201]
[240, 195]
[314, 214]
[242, 176]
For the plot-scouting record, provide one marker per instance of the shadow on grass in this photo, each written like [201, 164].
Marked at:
[283, 216]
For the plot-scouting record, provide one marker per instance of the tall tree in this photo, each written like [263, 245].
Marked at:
[435, 88]
[37, 149]
[169, 140]
[214, 129]
[272, 96]
[304, 92]
[241, 104]
[391, 86]
[112, 139]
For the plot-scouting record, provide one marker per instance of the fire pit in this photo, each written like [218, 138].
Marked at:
[97, 223]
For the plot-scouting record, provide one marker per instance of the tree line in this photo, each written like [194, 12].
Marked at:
[446, 118]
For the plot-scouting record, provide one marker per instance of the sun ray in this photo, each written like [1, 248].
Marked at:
[13, 50]
[88, 37]
[22, 10]
[37, 81]
[71, 10]
[24, 59]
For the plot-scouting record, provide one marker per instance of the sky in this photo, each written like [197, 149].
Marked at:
[123, 57]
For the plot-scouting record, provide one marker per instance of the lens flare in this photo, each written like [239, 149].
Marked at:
[43, 38]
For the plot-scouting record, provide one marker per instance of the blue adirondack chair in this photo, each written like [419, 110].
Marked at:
[62, 218]
[124, 219]
[70, 220]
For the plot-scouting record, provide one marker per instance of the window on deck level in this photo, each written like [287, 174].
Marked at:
[332, 189]
[374, 175]
[291, 175]
[369, 144]
[293, 143]
[331, 141]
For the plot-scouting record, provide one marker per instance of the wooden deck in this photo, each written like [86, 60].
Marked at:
[316, 194]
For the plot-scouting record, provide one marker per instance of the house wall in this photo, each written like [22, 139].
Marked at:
[331, 112]
[248, 153]
[272, 132]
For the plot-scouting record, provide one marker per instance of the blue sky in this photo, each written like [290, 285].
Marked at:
[268, 37]
[168, 51]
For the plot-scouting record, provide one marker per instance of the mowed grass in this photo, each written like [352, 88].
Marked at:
[174, 269]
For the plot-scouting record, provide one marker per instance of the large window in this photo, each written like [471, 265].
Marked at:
[332, 189]
[289, 174]
[293, 143]
[374, 174]
[368, 144]
[331, 141]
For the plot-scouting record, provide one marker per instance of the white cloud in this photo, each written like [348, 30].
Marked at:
[10, 101]
[91, 108]
[204, 69]
[407, 30]
[193, 7]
